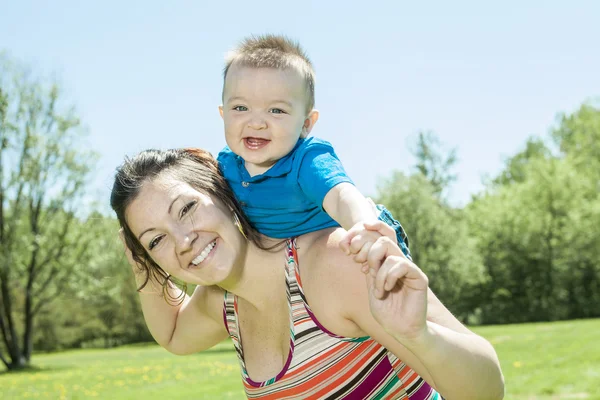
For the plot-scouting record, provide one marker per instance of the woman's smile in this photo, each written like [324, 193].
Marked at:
[205, 254]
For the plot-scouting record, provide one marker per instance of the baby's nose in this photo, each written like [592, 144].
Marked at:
[257, 123]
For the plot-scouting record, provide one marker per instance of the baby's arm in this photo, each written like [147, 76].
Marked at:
[346, 204]
[324, 181]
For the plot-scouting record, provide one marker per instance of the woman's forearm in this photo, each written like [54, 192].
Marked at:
[160, 315]
[462, 365]
[183, 324]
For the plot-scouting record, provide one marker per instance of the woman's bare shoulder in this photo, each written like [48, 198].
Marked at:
[327, 261]
[322, 247]
[333, 282]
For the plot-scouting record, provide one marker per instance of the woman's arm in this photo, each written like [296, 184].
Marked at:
[412, 323]
[186, 327]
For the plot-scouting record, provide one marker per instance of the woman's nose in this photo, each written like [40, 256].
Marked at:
[184, 241]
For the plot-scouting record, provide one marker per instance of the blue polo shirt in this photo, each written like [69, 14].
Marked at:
[287, 200]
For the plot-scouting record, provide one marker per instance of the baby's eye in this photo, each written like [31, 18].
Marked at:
[277, 111]
[154, 242]
[186, 208]
[240, 108]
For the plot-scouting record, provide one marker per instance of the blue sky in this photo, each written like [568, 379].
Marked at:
[483, 77]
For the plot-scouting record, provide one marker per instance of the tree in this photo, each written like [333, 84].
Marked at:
[536, 246]
[537, 228]
[578, 137]
[109, 289]
[432, 163]
[516, 166]
[42, 181]
[100, 306]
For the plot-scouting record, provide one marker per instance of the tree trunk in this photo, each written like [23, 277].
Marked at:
[28, 317]
[9, 331]
[27, 334]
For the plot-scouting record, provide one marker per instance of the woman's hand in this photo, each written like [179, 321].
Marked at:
[397, 288]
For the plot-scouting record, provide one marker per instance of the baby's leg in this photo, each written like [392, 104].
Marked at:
[386, 216]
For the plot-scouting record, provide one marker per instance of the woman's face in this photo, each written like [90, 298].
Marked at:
[187, 233]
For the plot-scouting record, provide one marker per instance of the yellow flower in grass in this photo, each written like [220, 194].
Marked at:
[517, 364]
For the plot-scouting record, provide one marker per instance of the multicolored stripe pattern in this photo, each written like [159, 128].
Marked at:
[322, 365]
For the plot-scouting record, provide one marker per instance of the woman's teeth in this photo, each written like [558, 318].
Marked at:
[204, 253]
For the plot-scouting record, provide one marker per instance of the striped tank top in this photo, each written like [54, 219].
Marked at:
[323, 365]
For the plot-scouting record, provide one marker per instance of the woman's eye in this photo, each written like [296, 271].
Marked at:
[277, 111]
[154, 242]
[186, 208]
[240, 108]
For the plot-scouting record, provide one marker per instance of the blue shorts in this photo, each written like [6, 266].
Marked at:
[386, 216]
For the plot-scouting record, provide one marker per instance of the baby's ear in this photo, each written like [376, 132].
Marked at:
[221, 110]
[304, 133]
[309, 123]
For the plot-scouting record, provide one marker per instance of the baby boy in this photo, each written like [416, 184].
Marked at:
[287, 183]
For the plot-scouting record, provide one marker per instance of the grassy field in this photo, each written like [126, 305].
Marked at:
[131, 372]
[540, 361]
[559, 360]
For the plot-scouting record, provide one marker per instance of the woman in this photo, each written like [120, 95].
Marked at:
[305, 321]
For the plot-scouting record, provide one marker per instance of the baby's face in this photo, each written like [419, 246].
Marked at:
[264, 111]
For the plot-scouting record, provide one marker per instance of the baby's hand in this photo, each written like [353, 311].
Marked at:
[359, 239]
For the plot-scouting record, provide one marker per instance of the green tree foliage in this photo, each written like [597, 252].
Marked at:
[578, 137]
[107, 287]
[100, 306]
[537, 229]
[42, 179]
[515, 170]
[433, 162]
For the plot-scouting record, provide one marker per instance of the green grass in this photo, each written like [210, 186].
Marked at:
[131, 372]
[559, 360]
[546, 361]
